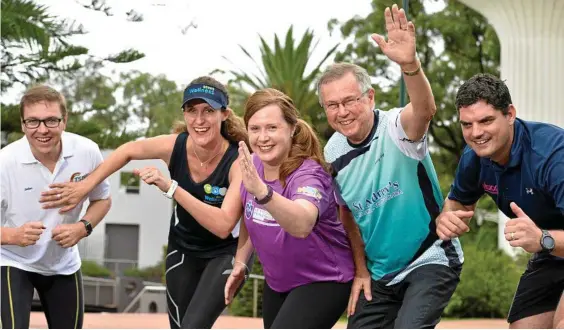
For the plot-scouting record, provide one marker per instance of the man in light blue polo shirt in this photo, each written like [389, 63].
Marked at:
[389, 192]
[520, 165]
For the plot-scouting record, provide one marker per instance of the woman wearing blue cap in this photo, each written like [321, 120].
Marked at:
[201, 156]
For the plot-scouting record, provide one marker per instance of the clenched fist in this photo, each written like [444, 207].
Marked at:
[451, 224]
[28, 233]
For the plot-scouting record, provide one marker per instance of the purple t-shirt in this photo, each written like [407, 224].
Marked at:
[288, 261]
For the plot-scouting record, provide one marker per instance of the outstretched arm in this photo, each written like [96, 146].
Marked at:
[68, 195]
[297, 217]
[400, 48]
[219, 221]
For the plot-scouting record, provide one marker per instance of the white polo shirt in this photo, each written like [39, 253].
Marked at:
[23, 179]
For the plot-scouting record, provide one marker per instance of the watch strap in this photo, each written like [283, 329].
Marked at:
[267, 198]
[171, 189]
[87, 225]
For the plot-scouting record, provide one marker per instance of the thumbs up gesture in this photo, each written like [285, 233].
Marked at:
[522, 231]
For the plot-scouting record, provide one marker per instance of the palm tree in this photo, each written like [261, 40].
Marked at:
[284, 68]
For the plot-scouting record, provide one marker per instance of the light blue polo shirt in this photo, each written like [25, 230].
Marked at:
[390, 185]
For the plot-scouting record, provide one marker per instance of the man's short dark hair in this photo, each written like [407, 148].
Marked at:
[487, 88]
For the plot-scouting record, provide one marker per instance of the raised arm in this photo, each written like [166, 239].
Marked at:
[296, 216]
[400, 48]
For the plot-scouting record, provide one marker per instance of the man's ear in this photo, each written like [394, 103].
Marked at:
[511, 114]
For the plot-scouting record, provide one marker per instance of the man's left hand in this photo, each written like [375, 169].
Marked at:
[400, 46]
[67, 235]
[522, 231]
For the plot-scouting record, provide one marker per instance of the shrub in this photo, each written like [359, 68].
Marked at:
[92, 268]
[152, 273]
[487, 285]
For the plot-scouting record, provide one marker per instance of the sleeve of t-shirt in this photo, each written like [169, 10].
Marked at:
[414, 149]
[338, 197]
[102, 190]
[312, 185]
[466, 187]
[554, 178]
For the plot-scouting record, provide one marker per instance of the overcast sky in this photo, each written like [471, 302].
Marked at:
[222, 25]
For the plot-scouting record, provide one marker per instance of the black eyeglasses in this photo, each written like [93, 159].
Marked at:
[52, 122]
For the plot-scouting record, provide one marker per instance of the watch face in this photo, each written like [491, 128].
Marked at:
[548, 242]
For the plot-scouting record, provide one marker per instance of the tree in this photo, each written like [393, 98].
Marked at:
[35, 43]
[155, 100]
[470, 47]
[112, 112]
[284, 68]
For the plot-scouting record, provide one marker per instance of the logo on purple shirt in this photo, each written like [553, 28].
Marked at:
[249, 210]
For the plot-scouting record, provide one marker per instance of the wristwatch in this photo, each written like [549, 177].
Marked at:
[266, 198]
[88, 226]
[171, 189]
[547, 241]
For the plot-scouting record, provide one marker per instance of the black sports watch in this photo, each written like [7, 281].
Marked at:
[547, 241]
[88, 226]
[266, 198]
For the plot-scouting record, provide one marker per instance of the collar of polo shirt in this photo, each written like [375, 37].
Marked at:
[27, 157]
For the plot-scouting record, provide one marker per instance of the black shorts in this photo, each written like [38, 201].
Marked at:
[417, 302]
[61, 298]
[539, 290]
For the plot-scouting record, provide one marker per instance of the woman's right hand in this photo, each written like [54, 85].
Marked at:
[64, 195]
[234, 281]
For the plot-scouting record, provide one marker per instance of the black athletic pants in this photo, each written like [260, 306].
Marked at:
[195, 289]
[417, 302]
[61, 298]
[317, 305]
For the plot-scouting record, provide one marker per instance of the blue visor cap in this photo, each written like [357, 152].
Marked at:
[211, 95]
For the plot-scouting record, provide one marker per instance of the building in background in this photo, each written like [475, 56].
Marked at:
[136, 228]
[531, 35]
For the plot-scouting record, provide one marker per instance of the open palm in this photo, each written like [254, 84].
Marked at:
[400, 46]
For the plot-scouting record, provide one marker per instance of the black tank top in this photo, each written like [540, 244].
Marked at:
[188, 235]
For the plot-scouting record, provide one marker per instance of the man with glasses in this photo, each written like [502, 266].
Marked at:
[38, 245]
[388, 191]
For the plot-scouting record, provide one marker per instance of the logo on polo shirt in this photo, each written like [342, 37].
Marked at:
[529, 191]
[76, 177]
[490, 188]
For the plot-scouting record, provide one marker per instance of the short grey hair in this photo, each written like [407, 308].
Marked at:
[338, 70]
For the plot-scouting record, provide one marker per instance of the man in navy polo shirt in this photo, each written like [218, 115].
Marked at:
[520, 164]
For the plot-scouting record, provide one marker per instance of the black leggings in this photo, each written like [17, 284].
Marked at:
[316, 305]
[195, 289]
[61, 298]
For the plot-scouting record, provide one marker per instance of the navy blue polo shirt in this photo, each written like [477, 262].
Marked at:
[533, 177]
